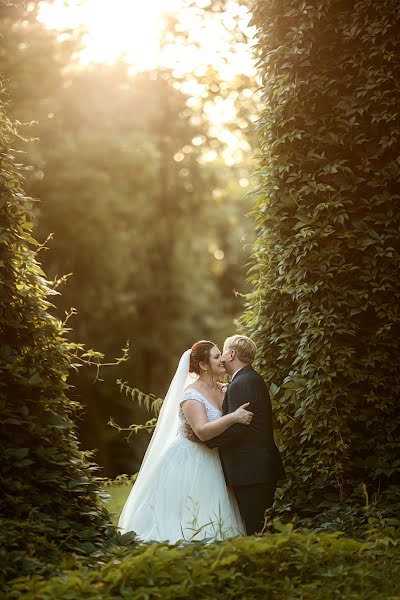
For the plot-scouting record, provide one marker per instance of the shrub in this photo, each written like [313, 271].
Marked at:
[284, 565]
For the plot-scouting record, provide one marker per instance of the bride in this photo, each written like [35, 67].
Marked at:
[180, 492]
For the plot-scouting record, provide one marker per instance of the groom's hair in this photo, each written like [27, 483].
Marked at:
[244, 347]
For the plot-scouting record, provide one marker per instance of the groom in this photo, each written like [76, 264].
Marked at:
[250, 459]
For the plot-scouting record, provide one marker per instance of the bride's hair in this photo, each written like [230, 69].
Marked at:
[200, 353]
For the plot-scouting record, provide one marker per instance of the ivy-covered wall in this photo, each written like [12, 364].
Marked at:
[325, 306]
[49, 495]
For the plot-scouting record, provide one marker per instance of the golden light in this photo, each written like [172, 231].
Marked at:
[133, 29]
[128, 29]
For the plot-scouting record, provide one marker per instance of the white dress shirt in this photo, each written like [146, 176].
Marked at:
[236, 372]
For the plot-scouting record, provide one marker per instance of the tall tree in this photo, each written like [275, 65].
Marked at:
[325, 309]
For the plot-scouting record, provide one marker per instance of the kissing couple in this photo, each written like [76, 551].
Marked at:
[212, 465]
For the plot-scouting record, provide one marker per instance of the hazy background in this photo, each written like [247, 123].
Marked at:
[139, 116]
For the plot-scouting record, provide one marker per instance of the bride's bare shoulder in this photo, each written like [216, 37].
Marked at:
[191, 386]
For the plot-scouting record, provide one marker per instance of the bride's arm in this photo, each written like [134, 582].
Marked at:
[196, 416]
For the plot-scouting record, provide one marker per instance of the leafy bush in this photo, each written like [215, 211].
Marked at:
[325, 305]
[49, 494]
[284, 565]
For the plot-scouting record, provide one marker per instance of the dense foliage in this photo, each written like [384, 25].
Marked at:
[134, 188]
[325, 310]
[49, 494]
[283, 565]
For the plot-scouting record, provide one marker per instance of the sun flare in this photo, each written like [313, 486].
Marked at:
[128, 29]
[132, 30]
[136, 32]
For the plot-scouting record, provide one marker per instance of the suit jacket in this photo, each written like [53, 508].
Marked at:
[248, 452]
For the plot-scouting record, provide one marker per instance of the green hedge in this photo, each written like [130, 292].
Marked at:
[325, 305]
[285, 565]
[49, 500]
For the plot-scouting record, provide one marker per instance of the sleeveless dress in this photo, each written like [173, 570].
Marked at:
[187, 497]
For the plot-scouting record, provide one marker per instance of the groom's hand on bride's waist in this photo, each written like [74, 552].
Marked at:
[190, 434]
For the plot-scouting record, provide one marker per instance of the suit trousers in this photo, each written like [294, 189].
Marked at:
[253, 501]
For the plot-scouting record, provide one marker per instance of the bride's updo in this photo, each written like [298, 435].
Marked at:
[200, 353]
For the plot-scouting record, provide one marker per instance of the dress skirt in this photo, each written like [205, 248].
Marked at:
[185, 497]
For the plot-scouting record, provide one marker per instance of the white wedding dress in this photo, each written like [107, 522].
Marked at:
[184, 496]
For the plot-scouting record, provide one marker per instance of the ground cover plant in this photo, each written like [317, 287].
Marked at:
[282, 565]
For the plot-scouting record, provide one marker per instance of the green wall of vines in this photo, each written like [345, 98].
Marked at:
[325, 306]
[49, 494]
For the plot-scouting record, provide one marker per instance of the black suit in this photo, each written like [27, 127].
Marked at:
[250, 459]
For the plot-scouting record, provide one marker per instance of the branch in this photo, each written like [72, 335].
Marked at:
[149, 401]
[149, 426]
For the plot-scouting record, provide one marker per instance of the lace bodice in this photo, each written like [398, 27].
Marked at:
[192, 394]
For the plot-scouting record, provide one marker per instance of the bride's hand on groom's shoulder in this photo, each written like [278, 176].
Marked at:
[190, 434]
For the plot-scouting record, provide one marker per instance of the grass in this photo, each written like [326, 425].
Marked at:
[118, 495]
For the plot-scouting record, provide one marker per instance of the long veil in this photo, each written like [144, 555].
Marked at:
[164, 434]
